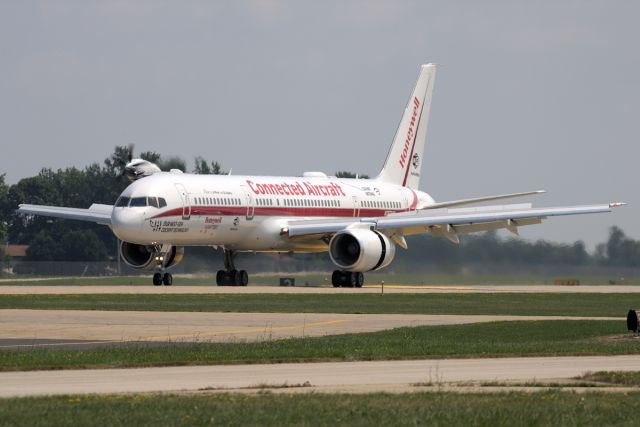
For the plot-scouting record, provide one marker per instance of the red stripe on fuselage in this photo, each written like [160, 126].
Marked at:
[284, 211]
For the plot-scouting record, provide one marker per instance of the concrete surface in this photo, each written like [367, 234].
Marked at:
[104, 327]
[354, 376]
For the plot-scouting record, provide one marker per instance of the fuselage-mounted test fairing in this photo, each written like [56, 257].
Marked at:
[359, 222]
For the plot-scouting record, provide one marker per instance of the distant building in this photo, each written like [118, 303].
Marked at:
[17, 253]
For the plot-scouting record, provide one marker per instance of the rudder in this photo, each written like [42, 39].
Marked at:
[404, 160]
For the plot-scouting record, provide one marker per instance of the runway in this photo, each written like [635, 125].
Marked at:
[327, 377]
[372, 289]
[68, 328]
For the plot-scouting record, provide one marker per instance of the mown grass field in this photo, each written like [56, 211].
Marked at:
[602, 305]
[554, 408]
[537, 338]
[321, 279]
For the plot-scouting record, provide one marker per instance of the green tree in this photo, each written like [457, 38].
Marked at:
[172, 163]
[150, 156]
[83, 245]
[204, 168]
[621, 250]
[43, 247]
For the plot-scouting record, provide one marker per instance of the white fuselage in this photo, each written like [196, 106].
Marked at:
[248, 213]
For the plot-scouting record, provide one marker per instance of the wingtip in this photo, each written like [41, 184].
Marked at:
[617, 204]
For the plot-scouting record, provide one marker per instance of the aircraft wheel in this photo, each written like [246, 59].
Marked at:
[351, 279]
[359, 279]
[336, 278]
[167, 279]
[235, 277]
[157, 279]
[244, 278]
[220, 278]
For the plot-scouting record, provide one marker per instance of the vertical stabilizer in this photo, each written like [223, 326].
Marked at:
[404, 160]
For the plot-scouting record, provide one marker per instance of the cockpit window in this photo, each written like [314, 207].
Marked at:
[138, 202]
[161, 202]
[153, 201]
[122, 202]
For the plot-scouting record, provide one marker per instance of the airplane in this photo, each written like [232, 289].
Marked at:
[359, 222]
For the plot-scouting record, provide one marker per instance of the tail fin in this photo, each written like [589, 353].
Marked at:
[403, 163]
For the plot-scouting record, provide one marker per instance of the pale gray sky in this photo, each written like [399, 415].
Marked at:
[530, 95]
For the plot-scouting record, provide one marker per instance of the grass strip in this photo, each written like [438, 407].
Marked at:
[542, 304]
[550, 408]
[532, 338]
[630, 378]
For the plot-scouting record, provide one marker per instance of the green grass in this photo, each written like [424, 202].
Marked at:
[324, 279]
[554, 408]
[631, 378]
[539, 338]
[504, 303]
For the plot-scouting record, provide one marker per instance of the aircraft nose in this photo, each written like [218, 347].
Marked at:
[127, 224]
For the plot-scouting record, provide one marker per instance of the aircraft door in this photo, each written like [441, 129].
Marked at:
[186, 203]
[356, 207]
[250, 203]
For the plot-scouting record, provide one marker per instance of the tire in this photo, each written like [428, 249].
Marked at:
[236, 277]
[359, 279]
[157, 279]
[244, 278]
[353, 279]
[220, 278]
[335, 278]
[167, 279]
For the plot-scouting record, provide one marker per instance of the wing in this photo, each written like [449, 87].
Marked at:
[100, 214]
[461, 202]
[445, 222]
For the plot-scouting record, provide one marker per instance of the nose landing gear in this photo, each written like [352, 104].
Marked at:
[347, 279]
[162, 278]
[230, 276]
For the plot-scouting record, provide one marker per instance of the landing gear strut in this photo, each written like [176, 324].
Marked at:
[230, 276]
[347, 279]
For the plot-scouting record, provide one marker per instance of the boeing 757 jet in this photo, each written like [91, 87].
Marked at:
[359, 222]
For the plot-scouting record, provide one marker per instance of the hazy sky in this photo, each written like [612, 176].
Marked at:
[530, 95]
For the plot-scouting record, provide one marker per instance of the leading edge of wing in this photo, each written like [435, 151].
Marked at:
[97, 213]
[427, 218]
[460, 202]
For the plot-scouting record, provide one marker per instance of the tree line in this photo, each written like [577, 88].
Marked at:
[61, 240]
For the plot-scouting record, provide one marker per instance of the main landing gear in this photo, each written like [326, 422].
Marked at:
[230, 276]
[347, 279]
[162, 278]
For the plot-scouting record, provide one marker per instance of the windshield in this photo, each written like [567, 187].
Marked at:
[122, 202]
[138, 202]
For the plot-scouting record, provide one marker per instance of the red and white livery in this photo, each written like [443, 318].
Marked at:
[360, 222]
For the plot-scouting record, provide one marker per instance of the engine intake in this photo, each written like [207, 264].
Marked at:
[361, 250]
[147, 258]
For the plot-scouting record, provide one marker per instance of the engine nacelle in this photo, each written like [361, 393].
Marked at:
[139, 168]
[147, 258]
[361, 250]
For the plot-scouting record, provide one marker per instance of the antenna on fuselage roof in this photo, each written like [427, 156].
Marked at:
[230, 170]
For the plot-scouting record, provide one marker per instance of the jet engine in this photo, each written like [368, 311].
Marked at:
[145, 257]
[361, 250]
[139, 168]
